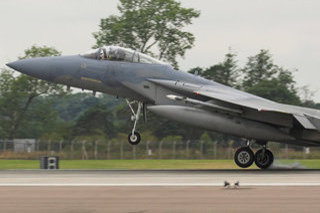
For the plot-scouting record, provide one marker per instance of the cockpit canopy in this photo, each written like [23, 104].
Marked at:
[115, 53]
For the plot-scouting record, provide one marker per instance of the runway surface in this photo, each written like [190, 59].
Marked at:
[159, 191]
[158, 199]
[159, 177]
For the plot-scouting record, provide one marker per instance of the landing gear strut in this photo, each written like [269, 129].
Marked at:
[134, 137]
[244, 156]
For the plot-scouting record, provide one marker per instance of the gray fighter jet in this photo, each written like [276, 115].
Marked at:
[180, 96]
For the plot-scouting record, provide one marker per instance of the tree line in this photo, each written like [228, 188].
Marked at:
[33, 108]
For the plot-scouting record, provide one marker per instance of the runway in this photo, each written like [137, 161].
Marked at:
[159, 177]
[158, 199]
[159, 191]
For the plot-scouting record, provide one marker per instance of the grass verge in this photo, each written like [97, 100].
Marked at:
[143, 164]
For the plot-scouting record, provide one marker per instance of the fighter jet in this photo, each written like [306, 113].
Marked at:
[153, 85]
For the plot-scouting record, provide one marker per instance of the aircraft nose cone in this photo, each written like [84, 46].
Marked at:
[36, 67]
[16, 65]
[48, 68]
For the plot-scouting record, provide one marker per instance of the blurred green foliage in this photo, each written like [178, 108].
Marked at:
[18, 94]
[154, 27]
[32, 108]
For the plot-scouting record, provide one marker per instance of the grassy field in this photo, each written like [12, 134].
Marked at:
[145, 164]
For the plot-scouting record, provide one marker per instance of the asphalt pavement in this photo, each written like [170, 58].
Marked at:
[159, 191]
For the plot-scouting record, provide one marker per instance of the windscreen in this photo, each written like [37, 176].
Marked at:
[115, 53]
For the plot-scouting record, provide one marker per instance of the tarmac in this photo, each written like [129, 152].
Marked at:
[159, 191]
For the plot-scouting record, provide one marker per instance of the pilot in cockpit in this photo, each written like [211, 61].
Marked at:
[101, 55]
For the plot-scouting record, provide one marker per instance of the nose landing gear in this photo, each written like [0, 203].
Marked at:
[244, 157]
[134, 136]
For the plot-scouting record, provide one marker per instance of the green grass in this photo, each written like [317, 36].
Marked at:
[143, 164]
[148, 164]
[310, 163]
[19, 164]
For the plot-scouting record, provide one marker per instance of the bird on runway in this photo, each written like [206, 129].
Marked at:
[226, 184]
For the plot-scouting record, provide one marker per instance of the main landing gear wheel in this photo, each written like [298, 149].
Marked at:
[134, 139]
[263, 158]
[244, 157]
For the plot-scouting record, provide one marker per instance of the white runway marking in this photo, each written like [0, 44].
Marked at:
[156, 185]
[159, 178]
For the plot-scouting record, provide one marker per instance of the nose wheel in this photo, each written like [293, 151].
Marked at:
[134, 139]
[134, 136]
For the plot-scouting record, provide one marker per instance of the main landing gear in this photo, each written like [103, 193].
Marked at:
[244, 157]
[134, 136]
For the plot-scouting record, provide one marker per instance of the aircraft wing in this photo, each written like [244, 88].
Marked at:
[239, 98]
[224, 94]
[308, 118]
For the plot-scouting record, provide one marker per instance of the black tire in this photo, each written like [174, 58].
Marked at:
[244, 157]
[263, 162]
[134, 139]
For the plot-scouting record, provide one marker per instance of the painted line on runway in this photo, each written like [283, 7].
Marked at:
[156, 184]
